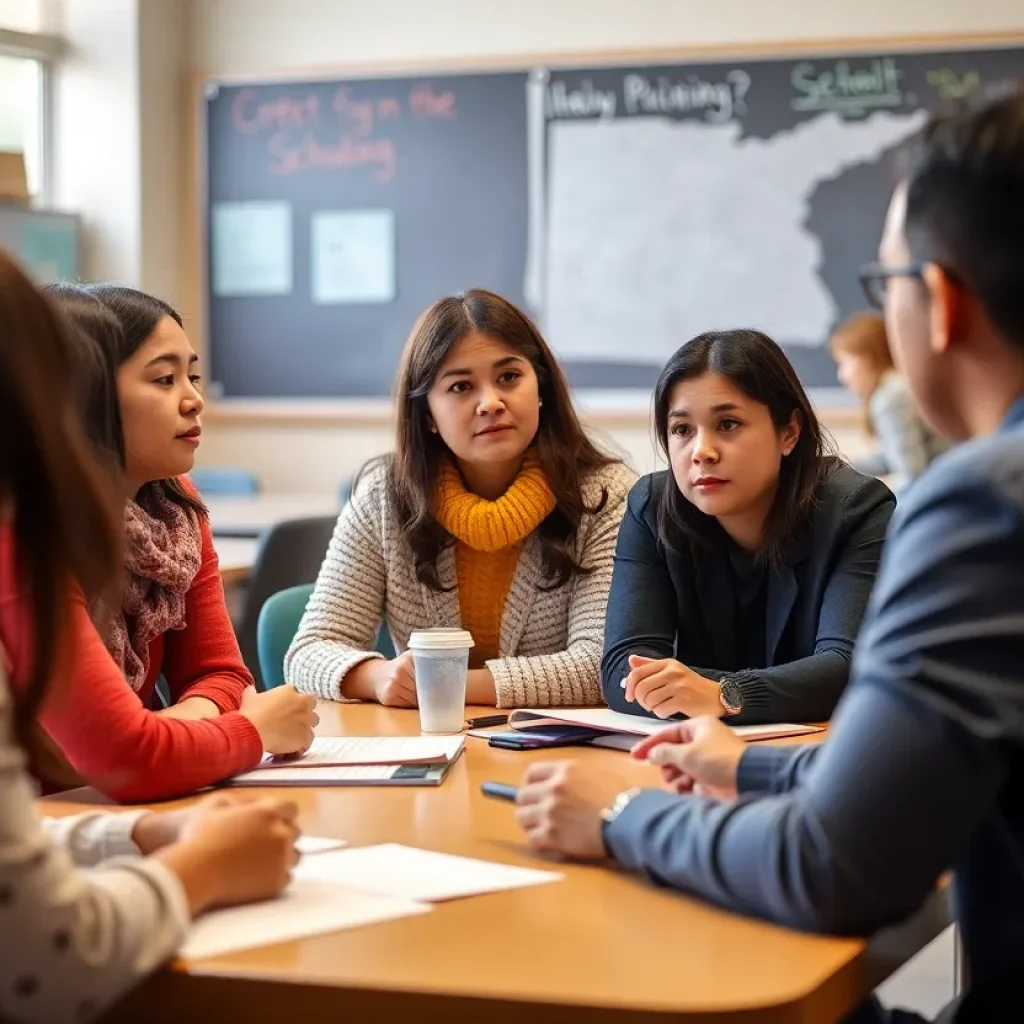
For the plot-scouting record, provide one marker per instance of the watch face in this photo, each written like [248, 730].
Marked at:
[732, 695]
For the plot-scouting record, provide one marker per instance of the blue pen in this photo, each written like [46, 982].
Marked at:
[499, 791]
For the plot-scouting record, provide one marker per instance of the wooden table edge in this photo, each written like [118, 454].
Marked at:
[209, 991]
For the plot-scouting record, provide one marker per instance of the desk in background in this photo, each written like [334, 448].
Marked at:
[237, 556]
[599, 947]
[249, 516]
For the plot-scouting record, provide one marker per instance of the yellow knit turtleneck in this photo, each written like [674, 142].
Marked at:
[489, 538]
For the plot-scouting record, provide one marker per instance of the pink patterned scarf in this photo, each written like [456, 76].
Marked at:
[163, 552]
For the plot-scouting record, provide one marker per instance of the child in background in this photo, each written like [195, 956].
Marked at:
[905, 444]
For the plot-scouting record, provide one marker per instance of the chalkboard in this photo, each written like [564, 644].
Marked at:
[437, 165]
[627, 207]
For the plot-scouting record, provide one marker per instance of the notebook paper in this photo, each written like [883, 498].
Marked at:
[316, 775]
[403, 872]
[307, 907]
[369, 750]
[615, 721]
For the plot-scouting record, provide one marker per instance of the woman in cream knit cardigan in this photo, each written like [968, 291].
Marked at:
[496, 513]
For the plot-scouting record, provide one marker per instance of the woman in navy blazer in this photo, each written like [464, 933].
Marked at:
[742, 573]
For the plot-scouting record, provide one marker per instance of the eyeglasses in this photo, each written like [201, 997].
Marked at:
[875, 277]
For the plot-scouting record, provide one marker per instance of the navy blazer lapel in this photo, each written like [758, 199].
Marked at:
[783, 591]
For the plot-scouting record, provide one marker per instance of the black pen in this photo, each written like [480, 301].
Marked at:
[487, 721]
[499, 791]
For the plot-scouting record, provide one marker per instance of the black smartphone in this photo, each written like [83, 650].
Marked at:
[542, 737]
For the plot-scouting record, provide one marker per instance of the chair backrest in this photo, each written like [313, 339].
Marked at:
[277, 625]
[290, 553]
[224, 480]
[279, 622]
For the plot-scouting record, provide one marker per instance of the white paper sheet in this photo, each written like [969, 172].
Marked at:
[353, 256]
[404, 872]
[307, 908]
[252, 248]
[370, 750]
[317, 844]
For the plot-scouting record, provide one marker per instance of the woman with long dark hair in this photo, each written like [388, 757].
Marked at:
[496, 513]
[83, 914]
[742, 573]
[143, 418]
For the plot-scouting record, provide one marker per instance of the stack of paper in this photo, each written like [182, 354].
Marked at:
[360, 761]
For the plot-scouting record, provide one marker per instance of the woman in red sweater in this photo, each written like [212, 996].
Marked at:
[143, 415]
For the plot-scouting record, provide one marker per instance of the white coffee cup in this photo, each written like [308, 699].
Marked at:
[441, 660]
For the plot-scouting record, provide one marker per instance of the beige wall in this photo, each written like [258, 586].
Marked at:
[161, 43]
[96, 134]
[118, 140]
[248, 36]
[263, 36]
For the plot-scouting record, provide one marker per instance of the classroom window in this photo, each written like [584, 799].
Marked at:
[22, 128]
[26, 15]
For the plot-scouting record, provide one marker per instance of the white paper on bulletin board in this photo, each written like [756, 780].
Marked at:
[353, 258]
[252, 248]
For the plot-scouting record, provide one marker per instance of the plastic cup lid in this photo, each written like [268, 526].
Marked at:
[443, 639]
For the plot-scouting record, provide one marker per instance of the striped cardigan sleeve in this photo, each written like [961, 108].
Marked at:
[573, 676]
[339, 627]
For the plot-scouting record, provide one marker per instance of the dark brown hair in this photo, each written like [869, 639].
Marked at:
[964, 174]
[67, 523]
[98, 334]
[137, 316]
[757, 366]
[566, 455]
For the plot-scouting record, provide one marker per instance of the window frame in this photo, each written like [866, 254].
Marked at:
[46, 49]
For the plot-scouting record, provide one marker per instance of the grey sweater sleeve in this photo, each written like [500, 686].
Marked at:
[901, 434]
[911, 766]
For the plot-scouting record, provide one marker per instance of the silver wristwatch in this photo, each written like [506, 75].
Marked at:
[618, 805]
[731, 696]
[612, 811]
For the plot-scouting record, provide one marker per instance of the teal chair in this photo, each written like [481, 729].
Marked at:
[279, 622]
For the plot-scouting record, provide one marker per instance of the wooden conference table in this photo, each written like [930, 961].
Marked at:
[599, 947]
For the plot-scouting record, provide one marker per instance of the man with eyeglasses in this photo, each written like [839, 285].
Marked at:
[924, 769]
